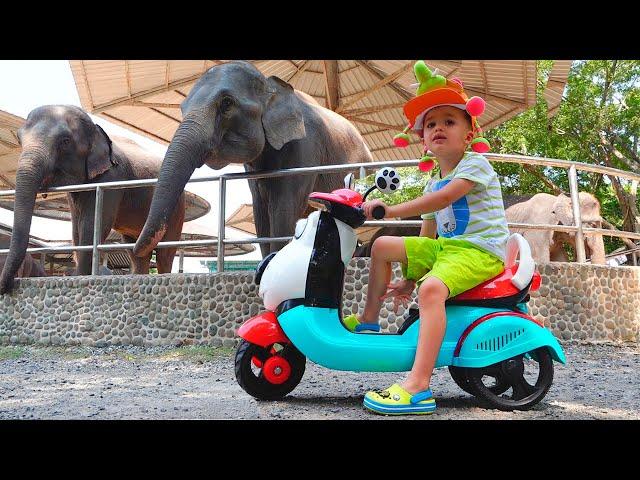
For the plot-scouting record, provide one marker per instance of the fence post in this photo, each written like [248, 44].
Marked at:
[575, 205]
[181, 261]
[97, 229]
[221, 215]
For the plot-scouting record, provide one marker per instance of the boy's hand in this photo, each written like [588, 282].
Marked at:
[368, 207]
[400, 292]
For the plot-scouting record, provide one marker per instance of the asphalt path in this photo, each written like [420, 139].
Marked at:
[600, 381]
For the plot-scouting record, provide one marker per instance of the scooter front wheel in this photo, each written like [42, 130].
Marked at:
[525, 386]
[268, 373]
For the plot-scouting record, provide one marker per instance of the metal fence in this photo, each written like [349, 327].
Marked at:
[96, 248]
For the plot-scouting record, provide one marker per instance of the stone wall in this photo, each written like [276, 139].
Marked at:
[580, 302]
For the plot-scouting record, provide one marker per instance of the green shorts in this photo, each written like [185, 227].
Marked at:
[458, 263]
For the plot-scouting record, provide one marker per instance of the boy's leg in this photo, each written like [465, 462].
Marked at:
[432, 295]
[384, 251]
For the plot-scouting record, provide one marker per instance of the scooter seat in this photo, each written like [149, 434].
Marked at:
[498, 291]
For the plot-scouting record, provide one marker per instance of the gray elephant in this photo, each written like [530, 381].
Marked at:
[547, 245]
[62, 146]
[233, 114]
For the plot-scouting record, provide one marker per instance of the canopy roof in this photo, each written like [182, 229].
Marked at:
[55, 205]
[145, 95]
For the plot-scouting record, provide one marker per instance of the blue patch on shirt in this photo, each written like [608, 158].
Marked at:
[447, 226]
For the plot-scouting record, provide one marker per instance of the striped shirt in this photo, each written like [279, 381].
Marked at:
[478, 217]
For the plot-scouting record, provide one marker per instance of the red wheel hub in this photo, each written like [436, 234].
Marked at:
[276, 370]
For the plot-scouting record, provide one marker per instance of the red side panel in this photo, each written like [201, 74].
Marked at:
[498, 287]
[263, 330]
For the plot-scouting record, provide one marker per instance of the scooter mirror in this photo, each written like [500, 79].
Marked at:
[350, 181]
[388, 180]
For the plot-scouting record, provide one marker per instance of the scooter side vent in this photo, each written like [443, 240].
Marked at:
[497, 343]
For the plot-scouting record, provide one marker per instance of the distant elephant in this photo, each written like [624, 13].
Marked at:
[233, 114]
[62, 146]
[547, 245]
[29, 267]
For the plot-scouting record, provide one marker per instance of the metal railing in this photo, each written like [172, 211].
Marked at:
[96, 248]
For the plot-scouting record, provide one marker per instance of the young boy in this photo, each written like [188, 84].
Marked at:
[463, 205]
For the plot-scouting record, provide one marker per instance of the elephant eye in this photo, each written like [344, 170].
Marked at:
[225, 104]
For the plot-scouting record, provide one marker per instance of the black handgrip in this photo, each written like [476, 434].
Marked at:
[378, 212]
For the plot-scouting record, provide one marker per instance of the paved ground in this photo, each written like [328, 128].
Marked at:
[599, 382]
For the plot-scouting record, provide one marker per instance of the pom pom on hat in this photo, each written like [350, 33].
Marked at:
[475, 106]
[427, 162]
[480, 145]
[401, 140]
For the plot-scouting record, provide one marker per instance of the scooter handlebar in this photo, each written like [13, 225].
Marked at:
[378, 212]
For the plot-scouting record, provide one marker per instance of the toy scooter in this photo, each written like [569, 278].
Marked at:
[494, 349]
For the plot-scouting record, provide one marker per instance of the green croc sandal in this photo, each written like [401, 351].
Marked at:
[395, 400]
[353, 325]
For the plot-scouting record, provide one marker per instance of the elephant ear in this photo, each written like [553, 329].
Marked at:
[100, 157]
[282, 120]
[562, 210]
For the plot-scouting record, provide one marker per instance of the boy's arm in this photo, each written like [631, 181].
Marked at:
[429, 228]
[433, 201]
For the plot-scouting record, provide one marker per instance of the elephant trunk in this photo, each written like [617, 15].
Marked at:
[186, 152]
[29, 179]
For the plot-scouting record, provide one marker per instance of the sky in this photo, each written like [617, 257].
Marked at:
[27, 84]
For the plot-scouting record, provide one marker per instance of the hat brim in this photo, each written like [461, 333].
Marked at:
[427, 101]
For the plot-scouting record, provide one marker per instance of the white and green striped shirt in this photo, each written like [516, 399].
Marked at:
[478, 217]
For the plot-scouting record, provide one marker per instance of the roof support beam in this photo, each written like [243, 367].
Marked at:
[303, 66]
[394, 86]
[7, 144]
[376, 109]
[116, 120]
[385, 81]
[331, 83]
[155, 104]
[8, 182]
[366, 121]
[144, 94]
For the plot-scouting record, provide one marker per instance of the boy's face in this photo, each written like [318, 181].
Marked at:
[447, 130]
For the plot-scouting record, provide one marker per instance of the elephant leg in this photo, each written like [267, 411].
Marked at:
[83, 209]
[287, 207]
[139, 266]
[260, 216]
[165, 256]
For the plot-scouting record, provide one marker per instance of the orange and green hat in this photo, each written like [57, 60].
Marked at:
[437, 91]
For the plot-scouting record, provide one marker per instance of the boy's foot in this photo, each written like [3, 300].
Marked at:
[395, 400]
[354, 325]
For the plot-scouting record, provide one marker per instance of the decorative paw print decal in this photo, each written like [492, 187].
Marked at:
[387, 180]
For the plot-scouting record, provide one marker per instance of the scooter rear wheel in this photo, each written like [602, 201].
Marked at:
[520, 393]
[459, 376]
[268, 373]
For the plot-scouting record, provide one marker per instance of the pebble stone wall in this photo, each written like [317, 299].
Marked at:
[577, 302]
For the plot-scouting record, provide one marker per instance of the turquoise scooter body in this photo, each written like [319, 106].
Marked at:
[321, 337]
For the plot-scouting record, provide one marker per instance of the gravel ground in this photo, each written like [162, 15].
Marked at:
[600, 381]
